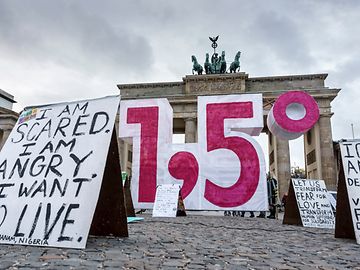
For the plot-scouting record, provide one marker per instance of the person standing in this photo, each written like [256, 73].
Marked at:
[272, 195]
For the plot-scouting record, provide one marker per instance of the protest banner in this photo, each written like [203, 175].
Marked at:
[60, 175]
[307, 204]
[348, 193]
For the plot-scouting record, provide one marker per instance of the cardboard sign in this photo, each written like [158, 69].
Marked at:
[166, 201]
[51, 171]
[348, 194]
[312, 206]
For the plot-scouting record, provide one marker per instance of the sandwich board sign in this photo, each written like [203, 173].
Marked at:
[308, 205]
[348, 194]
[56, 175]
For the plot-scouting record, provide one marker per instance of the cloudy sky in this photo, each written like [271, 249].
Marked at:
[52, 51]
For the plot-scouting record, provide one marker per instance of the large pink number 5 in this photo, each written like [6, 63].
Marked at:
[246, 185]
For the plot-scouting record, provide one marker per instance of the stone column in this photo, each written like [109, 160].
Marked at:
[122, 154]
[7, 122]
[282, 165]
[312, 153]
[123, 146]
[5, 135]
[190, 130]
[328, 166]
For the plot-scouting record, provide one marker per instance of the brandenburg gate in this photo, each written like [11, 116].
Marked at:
[318, 144]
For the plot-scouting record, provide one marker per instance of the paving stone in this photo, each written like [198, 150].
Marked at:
[152, 267]
[47, 257]
[134, 265]
[6, 264]
[33, 265]
[174, 263]
[174, 256]
[72, 262]
[113, 264]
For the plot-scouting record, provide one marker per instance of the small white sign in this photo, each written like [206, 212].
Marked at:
[166, 200]
[350, 154]
[313, 203]
[51, 169]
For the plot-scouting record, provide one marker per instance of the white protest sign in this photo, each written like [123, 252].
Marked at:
[313, 203]
[350, 154]
[166, 200]
[51, 170]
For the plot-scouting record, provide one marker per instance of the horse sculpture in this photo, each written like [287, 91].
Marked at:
[222, 63]
[217, 65]
[209, 69]
[196, 66]
[236, 64]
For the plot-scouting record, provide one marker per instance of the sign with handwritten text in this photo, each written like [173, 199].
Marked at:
[313, 203]
[350, 154]
[51, 169]
[166, 200]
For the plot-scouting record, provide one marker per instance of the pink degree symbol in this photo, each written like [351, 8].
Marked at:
[296, 125]
[184, 166]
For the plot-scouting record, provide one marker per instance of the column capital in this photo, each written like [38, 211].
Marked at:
[190, 119]
[6, 128]
[326, 115]
[190, 130]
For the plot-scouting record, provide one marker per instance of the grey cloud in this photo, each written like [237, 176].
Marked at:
[282, 39]
[344, 72]
[56, 31]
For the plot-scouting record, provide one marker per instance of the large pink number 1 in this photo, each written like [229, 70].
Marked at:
[246, 185]
[147, 117]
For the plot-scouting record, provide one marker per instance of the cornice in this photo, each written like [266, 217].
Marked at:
[215, 77]
[321, 76]
[150, 85]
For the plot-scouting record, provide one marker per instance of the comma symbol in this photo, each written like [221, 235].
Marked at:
[184, 166]
[4, 215]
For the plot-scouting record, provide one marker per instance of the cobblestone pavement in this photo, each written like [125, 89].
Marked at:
[197, 242]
